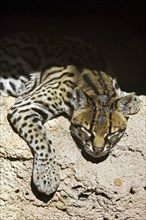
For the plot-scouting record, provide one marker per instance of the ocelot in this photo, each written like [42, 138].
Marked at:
[58, 76]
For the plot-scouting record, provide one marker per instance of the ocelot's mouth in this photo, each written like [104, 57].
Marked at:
[96, 154]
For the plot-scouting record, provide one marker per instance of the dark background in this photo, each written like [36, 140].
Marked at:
[117, 28]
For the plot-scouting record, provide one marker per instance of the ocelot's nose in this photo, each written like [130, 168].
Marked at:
[98, 149]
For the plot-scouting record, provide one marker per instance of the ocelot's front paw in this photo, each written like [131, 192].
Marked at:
[46, 176]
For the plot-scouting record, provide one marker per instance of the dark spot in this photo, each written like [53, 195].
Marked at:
[15, 110]
[10, 93]
[132, 191]
[26, 193]
[9, 116]
[50, 142]
[56, 104]
[14, 121]
[60, 103]
[24, 124]
[18, 119]
[45, 182]
[40, 127]
[62, 90]
[42, 147]
[86, 122]
[29, 116]
[13, 86]
[37, 148]
[71, 74]
[44, 135]
[25, 135]
[5, 77]
[49, 98]
[31, 125]
[41, 154]
[32, 98]
[36, 141]
[40, 95]
[49, 149]
[69, 95]
[46, 155]
[29, 131]
[1, 86]
[17, 191]
[35, 120]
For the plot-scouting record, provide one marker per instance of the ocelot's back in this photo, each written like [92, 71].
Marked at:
[22, 54]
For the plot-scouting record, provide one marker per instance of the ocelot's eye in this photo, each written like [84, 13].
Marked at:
[86, 134]
[113, 136]
[84, 130]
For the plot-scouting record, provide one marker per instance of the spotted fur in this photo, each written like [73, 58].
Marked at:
[50, 78]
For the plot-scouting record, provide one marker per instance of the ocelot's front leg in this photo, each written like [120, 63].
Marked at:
[28, 122]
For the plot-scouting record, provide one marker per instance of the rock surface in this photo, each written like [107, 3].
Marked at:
[101, 190]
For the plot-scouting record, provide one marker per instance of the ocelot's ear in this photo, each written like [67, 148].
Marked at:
[129, 104]
[79, 99]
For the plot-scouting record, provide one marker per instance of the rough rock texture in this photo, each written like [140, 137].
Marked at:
[101, 190]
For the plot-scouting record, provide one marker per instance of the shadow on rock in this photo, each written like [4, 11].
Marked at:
[41, 196]
[87, 156]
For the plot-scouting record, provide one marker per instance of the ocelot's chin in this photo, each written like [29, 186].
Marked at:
[94, 154]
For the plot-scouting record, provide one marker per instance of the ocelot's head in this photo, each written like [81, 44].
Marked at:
[99, 124]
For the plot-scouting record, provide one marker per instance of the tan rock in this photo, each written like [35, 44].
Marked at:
[111, 189]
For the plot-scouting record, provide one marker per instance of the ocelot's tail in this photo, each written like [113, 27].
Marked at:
[12, 85]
